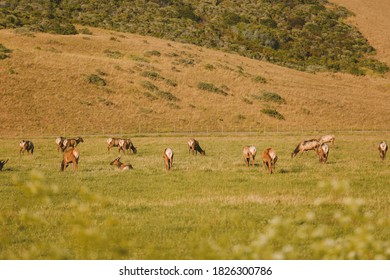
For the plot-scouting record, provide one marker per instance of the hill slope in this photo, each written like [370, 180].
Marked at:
[50, 85]
[309, 35]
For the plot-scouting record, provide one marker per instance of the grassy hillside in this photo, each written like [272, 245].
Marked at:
[308, 35]
[111, 82]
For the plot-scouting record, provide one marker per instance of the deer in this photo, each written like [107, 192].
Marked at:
[121, 165]
[71, 143]
[26, 145]
[269, 160]
[194, 147]
[126, 144]
[112, 142]
[382, 147]
[168, 158]
[60, 141]
[327, 139]
[2, 163]
[323, 152]
[70, 156]
[249, 154]
[305, 145]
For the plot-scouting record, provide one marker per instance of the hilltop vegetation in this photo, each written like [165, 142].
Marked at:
[307, 35]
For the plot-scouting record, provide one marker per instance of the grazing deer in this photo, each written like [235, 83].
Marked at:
[269, 160]
[193, 146]
[71, 143]
[26, 145]
[70, 156]
[125, 145]
[305, 145]
[2, 163]
[382, 147]
[323, 152]
[249, 154]
[327, 139]
[112, 142]
[168, 158]
[60, 143]
[120, 164]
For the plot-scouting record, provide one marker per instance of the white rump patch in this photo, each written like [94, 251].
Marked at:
[169, 152]
[272, 154]
[76, 154]
[22, 143]
[58, 140]
[325, 148]
[252, 149]
[121, 143]
[191, 142]
[109, 140]
[383, 146]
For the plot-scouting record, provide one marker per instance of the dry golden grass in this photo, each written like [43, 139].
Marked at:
[372, 19]
[44, 88]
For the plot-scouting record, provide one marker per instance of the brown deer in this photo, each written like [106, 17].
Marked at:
[305, 145]
[249, 154]
[60, 143]
[323, 152]
[2, 163]
[168, 158]
[193, 146]
[121, 165]
[70, 156]
[327, 139]
[125, 145]
[269, 160]
[382, 147]
[26, 145]
[71, 143]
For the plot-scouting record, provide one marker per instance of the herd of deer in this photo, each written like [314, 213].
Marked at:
[71, 154]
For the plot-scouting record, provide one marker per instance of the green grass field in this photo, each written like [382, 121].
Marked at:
[207, 207]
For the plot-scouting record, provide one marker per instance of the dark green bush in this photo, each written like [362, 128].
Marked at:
[4, 52]
[96, 80]
[273, 97]
[273, 113]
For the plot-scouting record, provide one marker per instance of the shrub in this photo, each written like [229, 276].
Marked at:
[273, 113]
[211, 88]
[149, 86]
[167, 95]
[273, 97]
[151, 75]
[113, 54]
[4, 52]
[85, 31]
[259, 79]
[96, 80]
[152, 53]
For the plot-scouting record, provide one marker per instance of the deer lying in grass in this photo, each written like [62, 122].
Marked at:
[168, 158]
[70, 156]
[121, 165]
[193, 146]
[2, 163]
[249, 154]
[323, 152]
[382, 147]
[26, 145]
[327, 139]
[305, 145]
[125, 145]
[269, 160]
